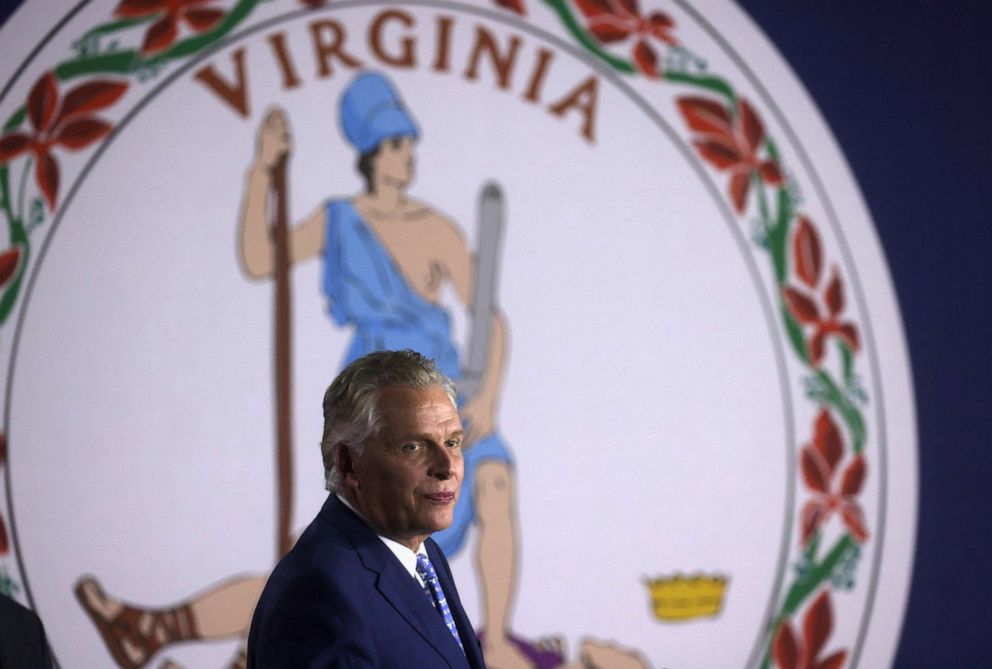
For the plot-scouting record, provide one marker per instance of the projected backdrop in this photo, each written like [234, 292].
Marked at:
[630, 237]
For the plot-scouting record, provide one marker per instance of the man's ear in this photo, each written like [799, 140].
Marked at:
[346, 463]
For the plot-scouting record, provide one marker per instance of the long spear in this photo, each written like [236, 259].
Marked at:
[282, 318]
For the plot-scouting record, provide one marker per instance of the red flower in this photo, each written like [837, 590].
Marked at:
[789, 652]
[808, 264]
[818, 463]
[8, 266]
[730, 143]
[163, 32]
[615, 20]
[66, 123]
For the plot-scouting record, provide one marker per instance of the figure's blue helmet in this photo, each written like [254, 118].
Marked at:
[371, 111]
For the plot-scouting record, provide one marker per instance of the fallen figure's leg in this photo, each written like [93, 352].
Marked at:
[134, 634]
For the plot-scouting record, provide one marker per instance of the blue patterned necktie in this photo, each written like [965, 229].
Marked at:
[432, 588]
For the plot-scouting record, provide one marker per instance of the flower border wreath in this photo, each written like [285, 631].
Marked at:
[728, 135]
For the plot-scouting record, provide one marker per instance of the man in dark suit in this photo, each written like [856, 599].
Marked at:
[22, 638]
[365, 586]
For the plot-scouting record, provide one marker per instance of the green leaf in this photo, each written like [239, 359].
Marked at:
[772, 149]
[778, 236]
[848, 412]
[10, 295]
[796, 336]
[5, 194]
[15, 120]
[847, 362]
[123, 24]
[709, 82]
[800, 590]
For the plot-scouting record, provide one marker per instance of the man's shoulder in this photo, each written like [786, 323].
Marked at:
[321, 581]
[327, 542]
[22, 636]
[336, 539]
[15, 614]
[324, 563]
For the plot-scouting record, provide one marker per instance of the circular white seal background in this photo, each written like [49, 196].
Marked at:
[645, 399]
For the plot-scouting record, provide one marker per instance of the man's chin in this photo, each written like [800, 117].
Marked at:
[439, 524]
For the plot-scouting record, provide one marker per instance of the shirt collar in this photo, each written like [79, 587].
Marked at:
[407, 557]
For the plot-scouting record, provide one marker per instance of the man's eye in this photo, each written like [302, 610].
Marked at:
[453, 443]
[412, 447]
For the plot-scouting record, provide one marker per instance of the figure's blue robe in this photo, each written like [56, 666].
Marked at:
[365, 289]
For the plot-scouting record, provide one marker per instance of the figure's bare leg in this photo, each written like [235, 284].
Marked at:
[497, 561]
[226, 609]
[134, 634]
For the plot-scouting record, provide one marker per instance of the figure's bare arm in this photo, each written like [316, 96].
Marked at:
[307, 238]
[480, 410]
[487, 397]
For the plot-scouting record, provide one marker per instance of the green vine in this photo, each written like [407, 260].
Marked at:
[88, 61]
[6, 202]
[775, 219]
[778, 238]
[116, 26]
[126, 62]
[808, 582]
[775, 227]
[561, 8]
[710, 83]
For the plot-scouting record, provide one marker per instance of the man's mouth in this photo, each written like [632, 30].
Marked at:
[441, 497]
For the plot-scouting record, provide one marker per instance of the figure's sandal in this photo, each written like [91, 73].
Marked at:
[133, 635]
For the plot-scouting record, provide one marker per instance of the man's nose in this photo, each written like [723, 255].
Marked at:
[442, 462]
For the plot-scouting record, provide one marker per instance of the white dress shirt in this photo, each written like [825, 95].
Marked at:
[407, 557]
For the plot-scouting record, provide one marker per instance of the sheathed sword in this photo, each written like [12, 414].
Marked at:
[489, 236]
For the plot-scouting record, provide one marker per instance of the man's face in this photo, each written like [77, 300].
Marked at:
[406, 481]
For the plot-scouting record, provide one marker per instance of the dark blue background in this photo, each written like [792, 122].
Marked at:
[906, 87]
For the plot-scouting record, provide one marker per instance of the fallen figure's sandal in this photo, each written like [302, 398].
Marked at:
[132, 635]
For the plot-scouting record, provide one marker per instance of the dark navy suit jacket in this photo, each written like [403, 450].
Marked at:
[341, 599]
[22, 638]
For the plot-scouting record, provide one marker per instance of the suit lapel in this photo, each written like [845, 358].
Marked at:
[395, 584]
[403, 592]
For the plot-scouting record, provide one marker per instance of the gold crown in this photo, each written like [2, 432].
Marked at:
[678, 597]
